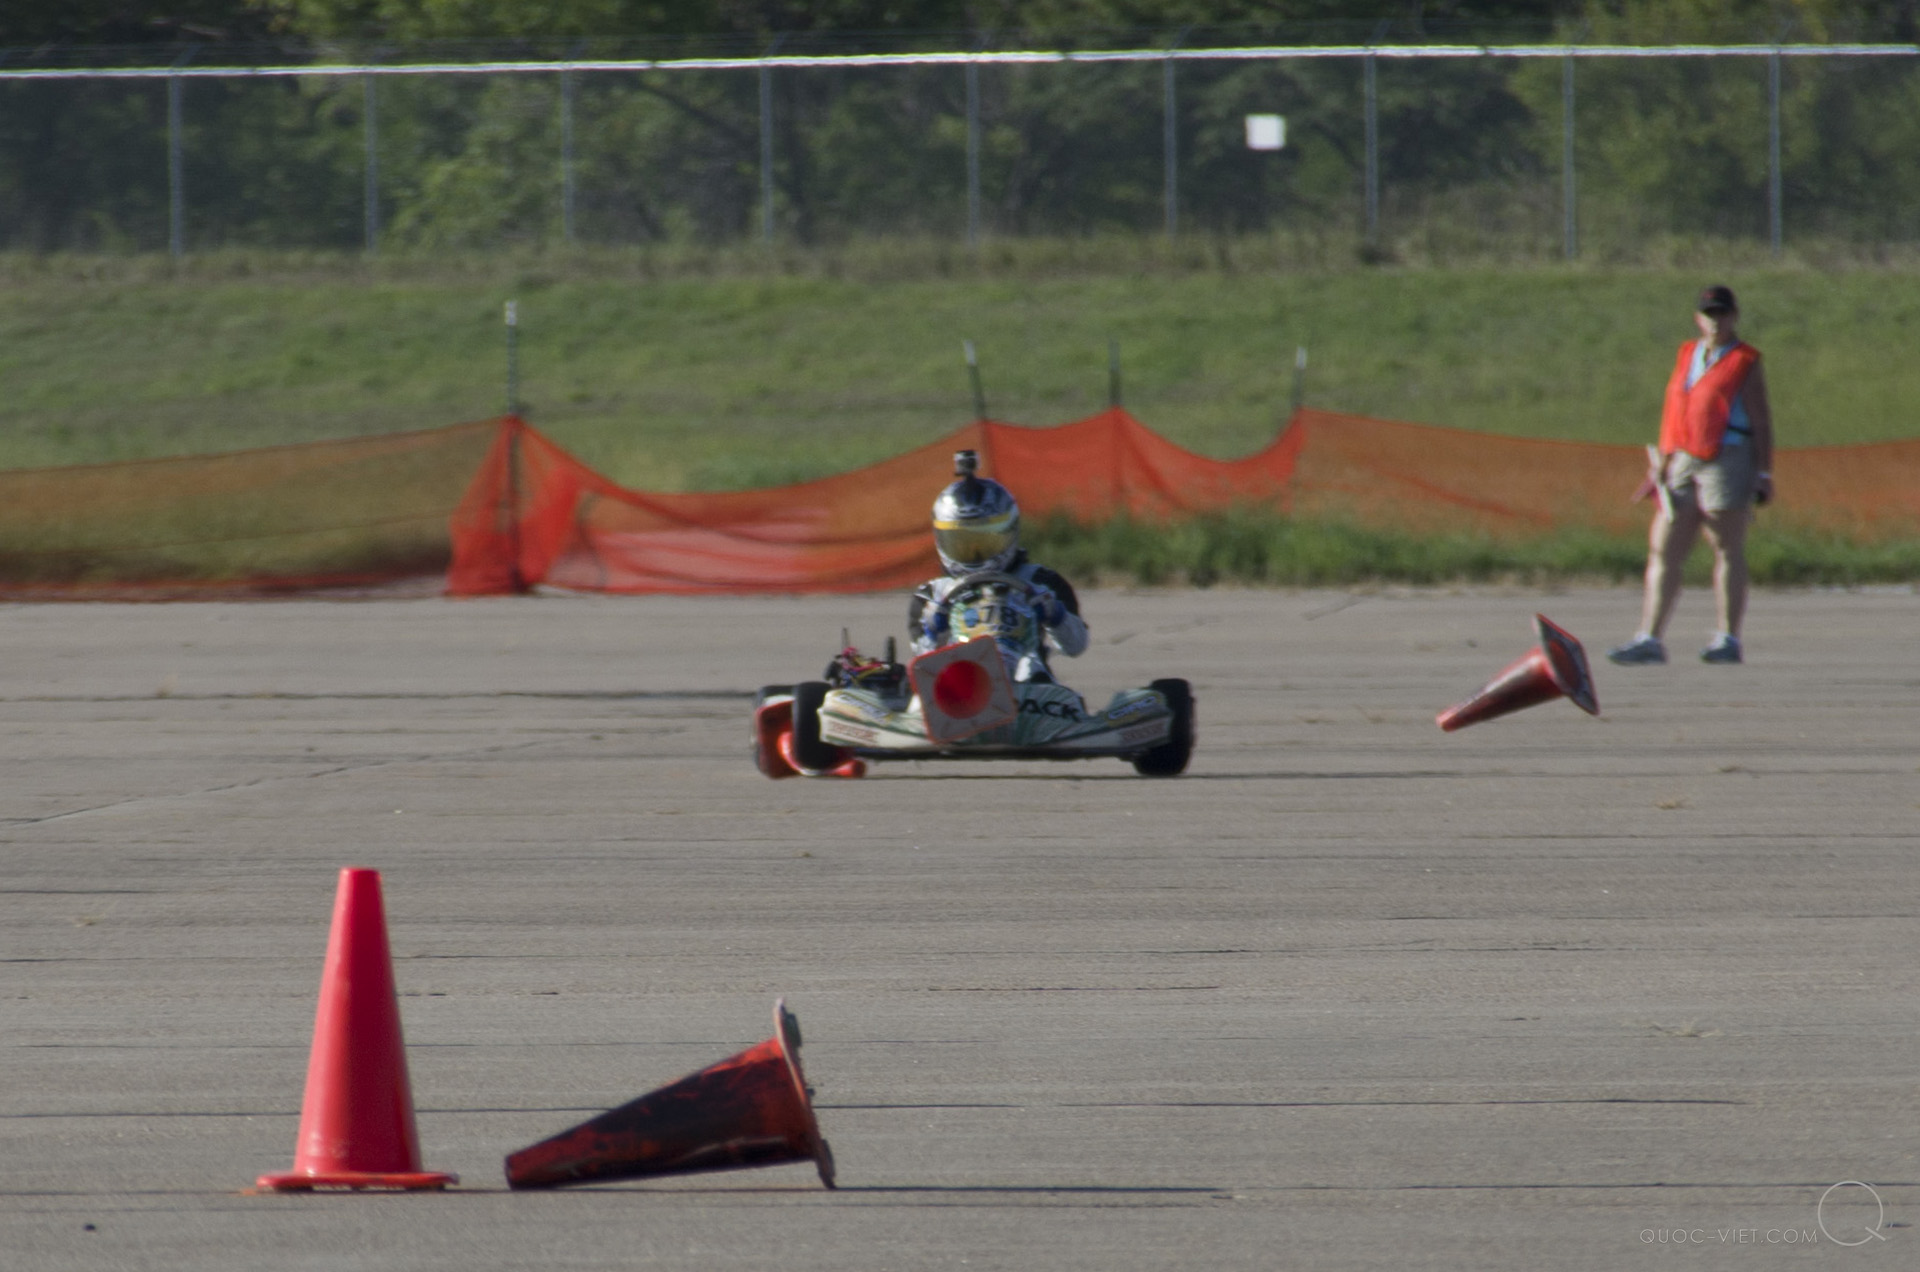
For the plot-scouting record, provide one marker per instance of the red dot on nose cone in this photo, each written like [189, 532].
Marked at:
[962, 689]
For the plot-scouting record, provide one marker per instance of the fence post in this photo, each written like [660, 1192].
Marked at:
[1773, 150]
[566, 156]
[766, 155]
[176, 170]
[513, 357]
[973, 154]
[973, 379]
[1571, 227]
[1373, 150]
[371, 120]
[1171, 145]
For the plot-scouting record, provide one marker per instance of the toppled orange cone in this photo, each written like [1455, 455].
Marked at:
[852, 766]
[773, 738]
[774, 752]
[750, 1110]
[356, 1122]
[1556, 668]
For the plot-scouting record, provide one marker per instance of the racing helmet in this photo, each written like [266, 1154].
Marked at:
[976, 523]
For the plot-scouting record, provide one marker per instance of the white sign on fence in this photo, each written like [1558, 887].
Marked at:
[1266, 132]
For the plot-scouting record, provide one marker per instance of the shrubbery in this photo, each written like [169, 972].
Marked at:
[1470, 149]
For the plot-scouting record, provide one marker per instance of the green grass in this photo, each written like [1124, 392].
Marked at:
[712, 369]
[1264, 549]
[689, 368]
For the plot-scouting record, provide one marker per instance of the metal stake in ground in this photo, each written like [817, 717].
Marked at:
[1113, 373]
[973, 375]
[513, 357]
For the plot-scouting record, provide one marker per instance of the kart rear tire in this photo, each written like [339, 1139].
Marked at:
[808, 696]
[769, 691]
[1169, 759]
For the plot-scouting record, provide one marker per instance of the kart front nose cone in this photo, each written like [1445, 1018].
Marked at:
[962, 689]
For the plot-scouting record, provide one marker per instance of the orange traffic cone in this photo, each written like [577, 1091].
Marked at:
[852, 766]
[1556, 668]
[356, 1123]
[773, 750]
[750, 1110]
[773, 738]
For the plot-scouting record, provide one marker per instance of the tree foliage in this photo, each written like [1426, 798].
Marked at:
[471, 161]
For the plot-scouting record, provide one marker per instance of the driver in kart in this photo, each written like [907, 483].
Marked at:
[976, 530]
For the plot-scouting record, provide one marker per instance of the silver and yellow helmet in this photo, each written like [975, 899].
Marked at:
[976, 523]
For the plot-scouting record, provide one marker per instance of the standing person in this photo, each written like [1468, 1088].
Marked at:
[1715, 465]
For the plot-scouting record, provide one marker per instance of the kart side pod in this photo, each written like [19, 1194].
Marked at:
[964, 690]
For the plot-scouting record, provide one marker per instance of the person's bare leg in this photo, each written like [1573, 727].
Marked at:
[1727, 532]
[1669, 543]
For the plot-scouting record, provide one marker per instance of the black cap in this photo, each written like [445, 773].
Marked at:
[1716, 297]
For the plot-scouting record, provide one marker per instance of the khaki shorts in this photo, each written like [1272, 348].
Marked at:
[1714, 485]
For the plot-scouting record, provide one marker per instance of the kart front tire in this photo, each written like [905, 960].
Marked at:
[808, 697]
[1169, 759]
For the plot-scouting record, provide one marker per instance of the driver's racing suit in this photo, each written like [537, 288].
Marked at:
[1053, 601]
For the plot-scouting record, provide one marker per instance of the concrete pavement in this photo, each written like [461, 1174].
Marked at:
[1549, 992]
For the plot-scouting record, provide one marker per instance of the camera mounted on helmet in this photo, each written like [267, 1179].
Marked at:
[976, 522]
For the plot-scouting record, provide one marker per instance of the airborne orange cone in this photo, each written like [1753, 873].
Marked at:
[1556, 668]
[356, 1123]
[750, 1110]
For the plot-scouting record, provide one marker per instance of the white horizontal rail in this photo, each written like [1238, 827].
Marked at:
[1283, 53]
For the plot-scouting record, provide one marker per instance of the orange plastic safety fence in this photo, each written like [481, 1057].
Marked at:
[1421, 478]
[374, 510]
[535, 515]
[358, 512]
[1867, 493]
[1415, 476]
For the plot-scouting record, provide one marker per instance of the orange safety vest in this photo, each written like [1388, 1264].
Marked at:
[1695, 419]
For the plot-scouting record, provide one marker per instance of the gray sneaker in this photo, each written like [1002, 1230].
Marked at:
[1647, 651]
[1725, 649]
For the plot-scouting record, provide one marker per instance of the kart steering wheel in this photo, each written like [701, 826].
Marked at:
[971, 582]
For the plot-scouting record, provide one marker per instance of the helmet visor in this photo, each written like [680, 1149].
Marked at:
[977, 543]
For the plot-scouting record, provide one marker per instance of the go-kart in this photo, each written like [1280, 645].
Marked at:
[962, 702]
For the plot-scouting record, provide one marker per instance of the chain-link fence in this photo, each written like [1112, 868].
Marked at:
[1534, 150]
